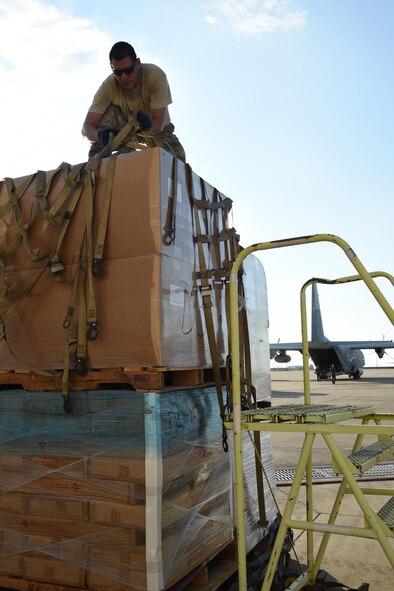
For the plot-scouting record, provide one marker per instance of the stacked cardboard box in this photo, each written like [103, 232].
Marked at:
[148, 300]
[131, 491]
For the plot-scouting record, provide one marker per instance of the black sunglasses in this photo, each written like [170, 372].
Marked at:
[127, 71]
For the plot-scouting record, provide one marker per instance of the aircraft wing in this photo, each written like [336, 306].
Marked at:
[364, 344]
[379, 346]
[283, 347]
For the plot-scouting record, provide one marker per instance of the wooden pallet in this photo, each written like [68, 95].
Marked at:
[212, 573]
[208, 576]
[140, 379]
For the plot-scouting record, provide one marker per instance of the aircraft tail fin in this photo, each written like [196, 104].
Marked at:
[317, 323]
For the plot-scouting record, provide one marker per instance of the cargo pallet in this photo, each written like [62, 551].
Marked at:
[139, 379]
[207, 576]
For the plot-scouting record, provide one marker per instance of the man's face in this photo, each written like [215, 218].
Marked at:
[126, 71]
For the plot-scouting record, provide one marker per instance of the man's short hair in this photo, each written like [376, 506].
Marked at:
[122, 49]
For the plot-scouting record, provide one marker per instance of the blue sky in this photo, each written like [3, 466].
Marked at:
[284, 105]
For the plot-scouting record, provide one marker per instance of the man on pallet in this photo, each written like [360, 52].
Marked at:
[132, 88]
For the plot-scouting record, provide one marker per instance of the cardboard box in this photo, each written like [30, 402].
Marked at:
[115, 468]
[148, 303]
[117, 514]
[151, 466]
[11, 566]
[52, 527]
[44, 568]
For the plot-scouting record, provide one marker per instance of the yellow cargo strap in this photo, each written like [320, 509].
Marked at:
[97, 263]
[55, 264]
[205, 290]
[127, 136]
[86, 328]
[169, 227]
[68, 324]
[71, 182]
[15, 194]
[14, 197]
[81, 352]
[79, 181]
[91, 314]
[44, 184]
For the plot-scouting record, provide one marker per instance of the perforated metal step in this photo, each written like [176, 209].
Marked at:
[386, 514]
[320, 474]
[309, 413]
[371, 455]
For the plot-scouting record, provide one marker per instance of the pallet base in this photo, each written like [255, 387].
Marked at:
[206, 577]
[139, 379]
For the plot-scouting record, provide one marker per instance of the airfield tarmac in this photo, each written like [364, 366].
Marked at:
[350, 560]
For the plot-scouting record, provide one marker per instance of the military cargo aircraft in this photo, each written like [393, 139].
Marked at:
[330, 357]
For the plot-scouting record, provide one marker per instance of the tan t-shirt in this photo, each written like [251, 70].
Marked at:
[151, 92]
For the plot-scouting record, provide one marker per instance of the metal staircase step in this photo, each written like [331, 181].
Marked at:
[369, 456]
[386, 514]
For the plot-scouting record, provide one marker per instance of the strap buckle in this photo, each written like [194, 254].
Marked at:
[97, 267]
[81, 366]
[93, 332]
[206, 288]
[56, 268]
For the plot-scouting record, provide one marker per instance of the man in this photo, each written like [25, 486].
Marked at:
[132, 87]
[333, 373]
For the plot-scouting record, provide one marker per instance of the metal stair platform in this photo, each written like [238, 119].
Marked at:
[308, 413]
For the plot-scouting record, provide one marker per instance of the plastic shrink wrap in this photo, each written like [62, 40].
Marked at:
[133, 490]
[146, 301]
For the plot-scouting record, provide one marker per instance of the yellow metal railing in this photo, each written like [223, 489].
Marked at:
[237, 419]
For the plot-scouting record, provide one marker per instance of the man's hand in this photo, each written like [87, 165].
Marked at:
[104, 135]
[144, 120]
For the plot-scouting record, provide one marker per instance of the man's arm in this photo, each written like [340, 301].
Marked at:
[157, 116]
[89, 128]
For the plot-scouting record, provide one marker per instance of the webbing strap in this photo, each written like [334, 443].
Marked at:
[71, 346]
[91, 314]
[207, 307]
[223, 204]
[86, 328]
[43, 186]
[102, 229]
[55, 263]
[81, 345]
[130, 129]
[81, 180]
[72, 340]
[33, 368]
[71, 181]
[14, 194]
[225, 234]
[169, 227]
[10, 249]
